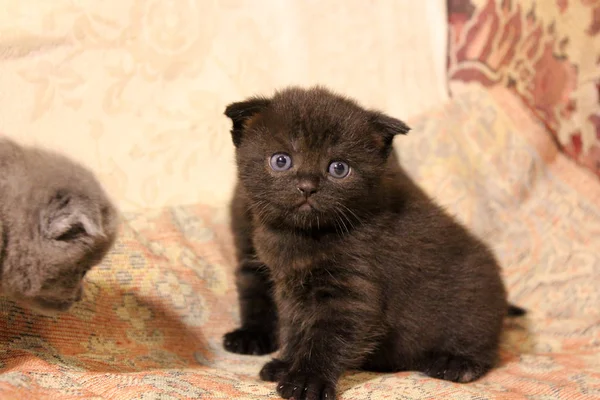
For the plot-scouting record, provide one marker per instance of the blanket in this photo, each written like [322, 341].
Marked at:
[153, 314]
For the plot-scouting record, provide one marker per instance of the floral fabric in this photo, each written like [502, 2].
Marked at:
[153, 314]
[547, 52]
[136, 89]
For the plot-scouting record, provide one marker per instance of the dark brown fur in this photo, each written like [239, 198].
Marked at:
[375, 276]
[55, 223]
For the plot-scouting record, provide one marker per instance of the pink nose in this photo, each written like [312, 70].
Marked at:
[307, 187]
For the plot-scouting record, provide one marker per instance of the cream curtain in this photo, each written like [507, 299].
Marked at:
[135, 89]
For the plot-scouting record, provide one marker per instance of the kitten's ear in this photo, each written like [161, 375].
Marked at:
[65, 220]
[387, 128]
[242, 112]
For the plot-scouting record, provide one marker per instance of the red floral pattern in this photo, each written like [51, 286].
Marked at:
[534, 48]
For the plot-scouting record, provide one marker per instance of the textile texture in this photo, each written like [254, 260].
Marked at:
[153, 314]
[547, 52]
[136, 89]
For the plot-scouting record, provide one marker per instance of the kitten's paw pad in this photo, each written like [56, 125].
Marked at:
[250, 341]
[274, 370]
[455, 369]
[305, 387]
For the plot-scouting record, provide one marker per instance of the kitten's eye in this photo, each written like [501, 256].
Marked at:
[281, 162]
[339, 169]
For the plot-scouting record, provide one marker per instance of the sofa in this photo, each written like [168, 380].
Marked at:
[502, 98]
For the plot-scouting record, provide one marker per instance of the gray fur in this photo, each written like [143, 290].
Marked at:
[56, 223]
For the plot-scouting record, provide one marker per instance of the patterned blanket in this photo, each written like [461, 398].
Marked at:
[153, 314]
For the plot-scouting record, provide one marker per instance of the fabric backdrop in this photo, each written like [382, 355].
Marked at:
[136, 89]
[152, 317]
[547, 52]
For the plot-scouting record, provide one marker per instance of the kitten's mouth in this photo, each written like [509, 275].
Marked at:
[306, 206]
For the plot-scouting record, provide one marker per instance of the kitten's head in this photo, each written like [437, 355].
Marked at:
[56, 224]
[308, 158]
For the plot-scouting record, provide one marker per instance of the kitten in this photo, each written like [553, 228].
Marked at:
[56, 223]
[344, 262]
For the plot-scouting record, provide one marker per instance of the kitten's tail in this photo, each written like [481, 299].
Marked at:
[515, 311]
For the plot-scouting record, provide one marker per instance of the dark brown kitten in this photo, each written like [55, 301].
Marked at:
[55, 223]
[344, 262]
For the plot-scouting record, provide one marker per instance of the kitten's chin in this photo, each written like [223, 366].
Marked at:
[305, 208]
[49, 308]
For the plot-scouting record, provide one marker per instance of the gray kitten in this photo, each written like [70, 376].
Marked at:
[56, 223]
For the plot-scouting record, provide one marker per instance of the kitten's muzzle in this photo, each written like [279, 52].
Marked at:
[50, 304]
[47, 307]
[306, 192]
[307, 187]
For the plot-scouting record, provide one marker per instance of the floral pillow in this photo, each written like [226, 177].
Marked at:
[547, 52]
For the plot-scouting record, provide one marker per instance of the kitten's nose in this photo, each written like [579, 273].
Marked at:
[307, 187]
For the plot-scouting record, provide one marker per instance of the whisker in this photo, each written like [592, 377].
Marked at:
[347, 219]
[332, 277]
[260, 207]
[353, 213]
[343, 214]
[338, 215]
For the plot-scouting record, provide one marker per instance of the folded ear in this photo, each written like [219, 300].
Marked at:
[66, 219]
[242, 112]
[387, 128]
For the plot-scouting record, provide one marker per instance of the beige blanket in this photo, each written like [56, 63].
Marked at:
[152, 317]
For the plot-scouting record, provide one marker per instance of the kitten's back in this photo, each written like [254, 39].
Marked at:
[24, 168]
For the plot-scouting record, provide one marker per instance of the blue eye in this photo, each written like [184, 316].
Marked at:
[339, 169]
[281, 162]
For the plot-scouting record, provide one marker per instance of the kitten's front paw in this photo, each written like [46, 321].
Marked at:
[454, 368]
[274, 370]
[305, 386]
[250, 341]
